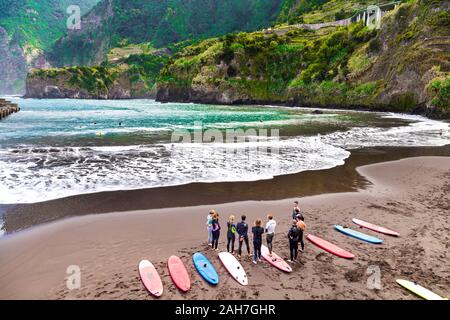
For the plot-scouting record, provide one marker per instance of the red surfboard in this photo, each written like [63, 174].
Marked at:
[375, 228]
[179, 274]
[275, 260]
[150, 278]
[327, 246]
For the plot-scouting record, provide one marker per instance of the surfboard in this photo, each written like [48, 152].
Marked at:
[234, 267]
[150, 278]
[327, 246]
[419, 290]
[275, 260]
[375, 228]
[358, 235]
[179, 273]
[205, 268]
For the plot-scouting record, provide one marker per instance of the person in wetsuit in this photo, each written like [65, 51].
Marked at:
[302, 226]
[257, 231]
[231, 234]
[215, 231]
[209, 226]
[294, 238]
[242, 230]
[298, 215]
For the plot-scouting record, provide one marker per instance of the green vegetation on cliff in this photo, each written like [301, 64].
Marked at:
[293, 10]
[136, 73]
[159, 22]
[318, 11]
[38, 23]
[440, 91]
[267, 66]
[94, 80]
[403, 66]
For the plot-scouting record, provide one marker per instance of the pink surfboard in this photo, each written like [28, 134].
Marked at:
[150, 278]
[327, 246]
[179, 273]
[275, 260]
[375, 228]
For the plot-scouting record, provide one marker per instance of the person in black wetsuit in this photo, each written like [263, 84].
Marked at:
[231, 234]
[294, 238]
[302, 226]
[298, 215]
[215, 231]
[257, 231]
[242, 230]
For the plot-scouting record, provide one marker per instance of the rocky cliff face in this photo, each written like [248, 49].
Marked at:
[13, 68]
[409, 54]
[88, 45]
[130, 77]
[61, 86]
[32, 26]
[403, 67]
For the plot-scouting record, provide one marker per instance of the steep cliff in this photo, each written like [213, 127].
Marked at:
[13, 67]
[161, 22]
[28, 28]
[404, 66]
[131, 77]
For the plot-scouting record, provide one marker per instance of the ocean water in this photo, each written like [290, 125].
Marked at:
[58, 148]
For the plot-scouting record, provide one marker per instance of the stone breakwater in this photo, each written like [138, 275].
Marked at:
[7, 108]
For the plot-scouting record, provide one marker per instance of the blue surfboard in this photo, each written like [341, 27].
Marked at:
[358, 235]
[205, 268]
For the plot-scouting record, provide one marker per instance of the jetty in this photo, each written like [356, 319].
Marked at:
[7, 108]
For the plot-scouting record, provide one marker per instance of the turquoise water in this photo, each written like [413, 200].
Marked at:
[81, 122]
[58, 148]
[63, 122]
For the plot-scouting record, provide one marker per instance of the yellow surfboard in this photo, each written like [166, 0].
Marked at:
[419, 290]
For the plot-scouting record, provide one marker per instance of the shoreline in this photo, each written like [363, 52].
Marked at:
[343, 178]
[108, 247]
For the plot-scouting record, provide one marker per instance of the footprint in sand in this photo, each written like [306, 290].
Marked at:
[323, 257]
[354, 275]
[121, 285]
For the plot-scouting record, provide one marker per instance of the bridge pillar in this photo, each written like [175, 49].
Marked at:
[373, 17]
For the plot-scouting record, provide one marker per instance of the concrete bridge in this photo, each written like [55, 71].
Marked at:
[7, 108]
[371, 17]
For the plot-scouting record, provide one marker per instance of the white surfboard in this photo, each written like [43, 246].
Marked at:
[150, 278]
[234, 267]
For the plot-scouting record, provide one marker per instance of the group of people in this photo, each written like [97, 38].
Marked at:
[241, 229]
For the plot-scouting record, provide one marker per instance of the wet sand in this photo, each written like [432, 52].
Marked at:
[411, 196]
